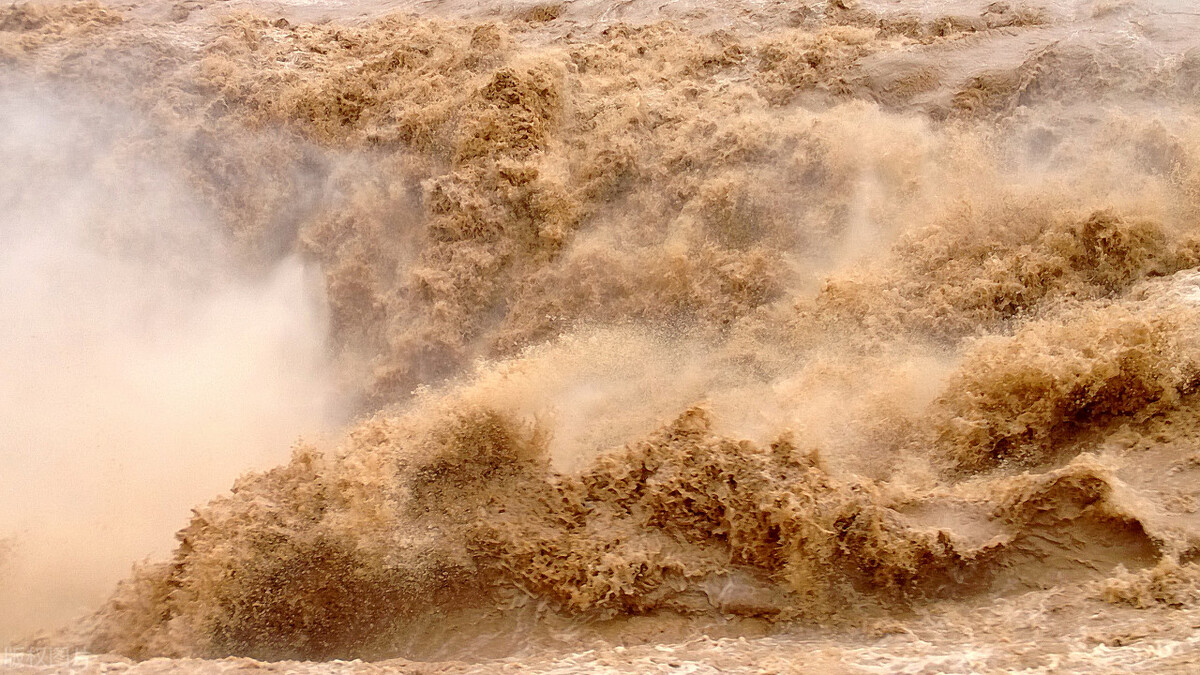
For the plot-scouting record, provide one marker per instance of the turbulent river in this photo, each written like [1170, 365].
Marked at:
[450, 336]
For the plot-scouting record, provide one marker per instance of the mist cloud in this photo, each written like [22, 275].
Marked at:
[142, 370]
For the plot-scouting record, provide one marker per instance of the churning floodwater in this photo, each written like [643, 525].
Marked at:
[847, 337]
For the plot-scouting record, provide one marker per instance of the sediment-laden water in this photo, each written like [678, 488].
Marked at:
[853, 337]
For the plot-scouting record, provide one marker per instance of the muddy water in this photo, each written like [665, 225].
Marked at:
[684, 337]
